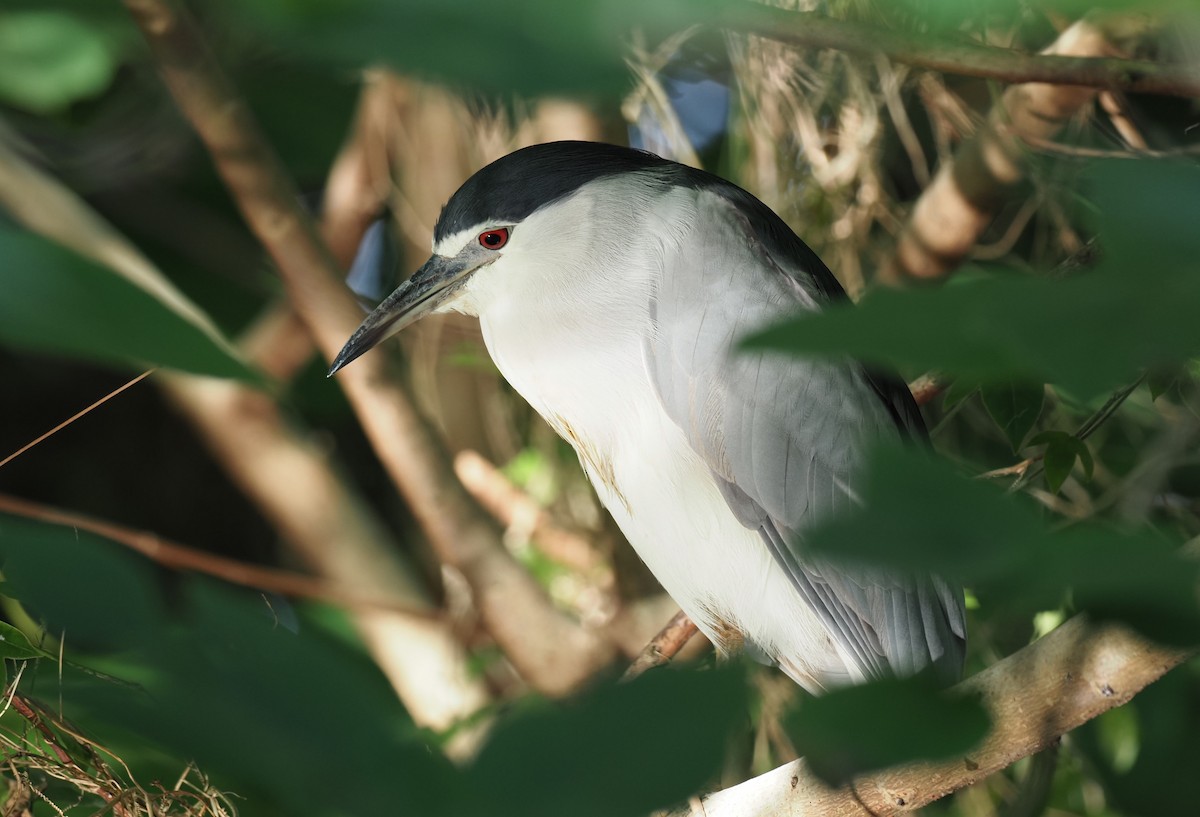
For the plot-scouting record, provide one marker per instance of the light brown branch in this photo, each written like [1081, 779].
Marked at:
[969, 190]
[94, 405]
[664, 646]
[926, 388]
[954, 56]
[1034, 697]
[181, 557]
[514, 509]
[554, 653]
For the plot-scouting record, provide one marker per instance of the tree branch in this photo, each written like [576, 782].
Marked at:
[554, 653]
[1034, 696]
[969, 190]
[952, 56]
[181, 557]
[664, 646]
[515, 510]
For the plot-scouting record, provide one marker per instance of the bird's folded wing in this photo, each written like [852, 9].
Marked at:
[784, 437]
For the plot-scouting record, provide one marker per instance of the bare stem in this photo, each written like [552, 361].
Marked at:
[664, 646]
[956, 56]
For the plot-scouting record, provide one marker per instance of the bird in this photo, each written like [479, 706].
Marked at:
[613, 288]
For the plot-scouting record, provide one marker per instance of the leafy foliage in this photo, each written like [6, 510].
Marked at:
[1087, 333]
[620, 750]
[210, 674]
[569, 47]
[1062, 452]
[50, 59]
[1015, 408]
[60, 302]
[1002, 548]
[852, 731]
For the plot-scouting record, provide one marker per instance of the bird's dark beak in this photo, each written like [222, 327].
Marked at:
[428, 287]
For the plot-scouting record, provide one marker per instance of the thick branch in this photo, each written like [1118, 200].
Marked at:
[952, 56]
[551, 651]
[1034, 696]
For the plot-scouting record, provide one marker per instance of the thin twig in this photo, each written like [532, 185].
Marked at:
[956, 56]
[75, 417]
[664, 646]
[35, 720]
[1084, 152]
[181, 557]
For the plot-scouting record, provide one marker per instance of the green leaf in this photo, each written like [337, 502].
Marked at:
[1161, 381]
[1088, 332]
[15, 644]
[1152, 771]
[1062, 450]
[959, 390]
[854, 730]
[919, 515]
[619, 749]
[527, 47]
[1015, 408]
[50, 59]
[59, 302]
[297, 709]
[944, 522]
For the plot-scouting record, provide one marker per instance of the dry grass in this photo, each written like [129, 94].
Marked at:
[45, 758]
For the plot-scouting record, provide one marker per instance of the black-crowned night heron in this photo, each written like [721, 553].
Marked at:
[613, 288]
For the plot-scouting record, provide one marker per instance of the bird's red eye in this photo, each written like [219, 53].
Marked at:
[494, 239]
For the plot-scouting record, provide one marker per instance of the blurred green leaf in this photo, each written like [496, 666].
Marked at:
[526, 47]
[79, 582]
[619, 749]
[15, 644]
[854, 730]
[1151, 772]
[297, 710]
[998, 544]
[1062, 450]
[57, 301]
[50, 59]
[945, 522]
[296, 719]
[1015, 408]
[958, 390]
[1160, 381]
[1087, 332]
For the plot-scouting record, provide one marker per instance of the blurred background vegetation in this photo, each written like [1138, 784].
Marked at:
[355, 672]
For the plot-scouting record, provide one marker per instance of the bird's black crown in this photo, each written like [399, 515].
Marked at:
[512, 187]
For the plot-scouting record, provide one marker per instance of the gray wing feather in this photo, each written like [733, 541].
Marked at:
[784, 437]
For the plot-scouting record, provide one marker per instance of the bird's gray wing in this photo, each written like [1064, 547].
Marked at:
[784, 437]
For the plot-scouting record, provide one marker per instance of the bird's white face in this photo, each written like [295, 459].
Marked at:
[565, 252]
[548, 247]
